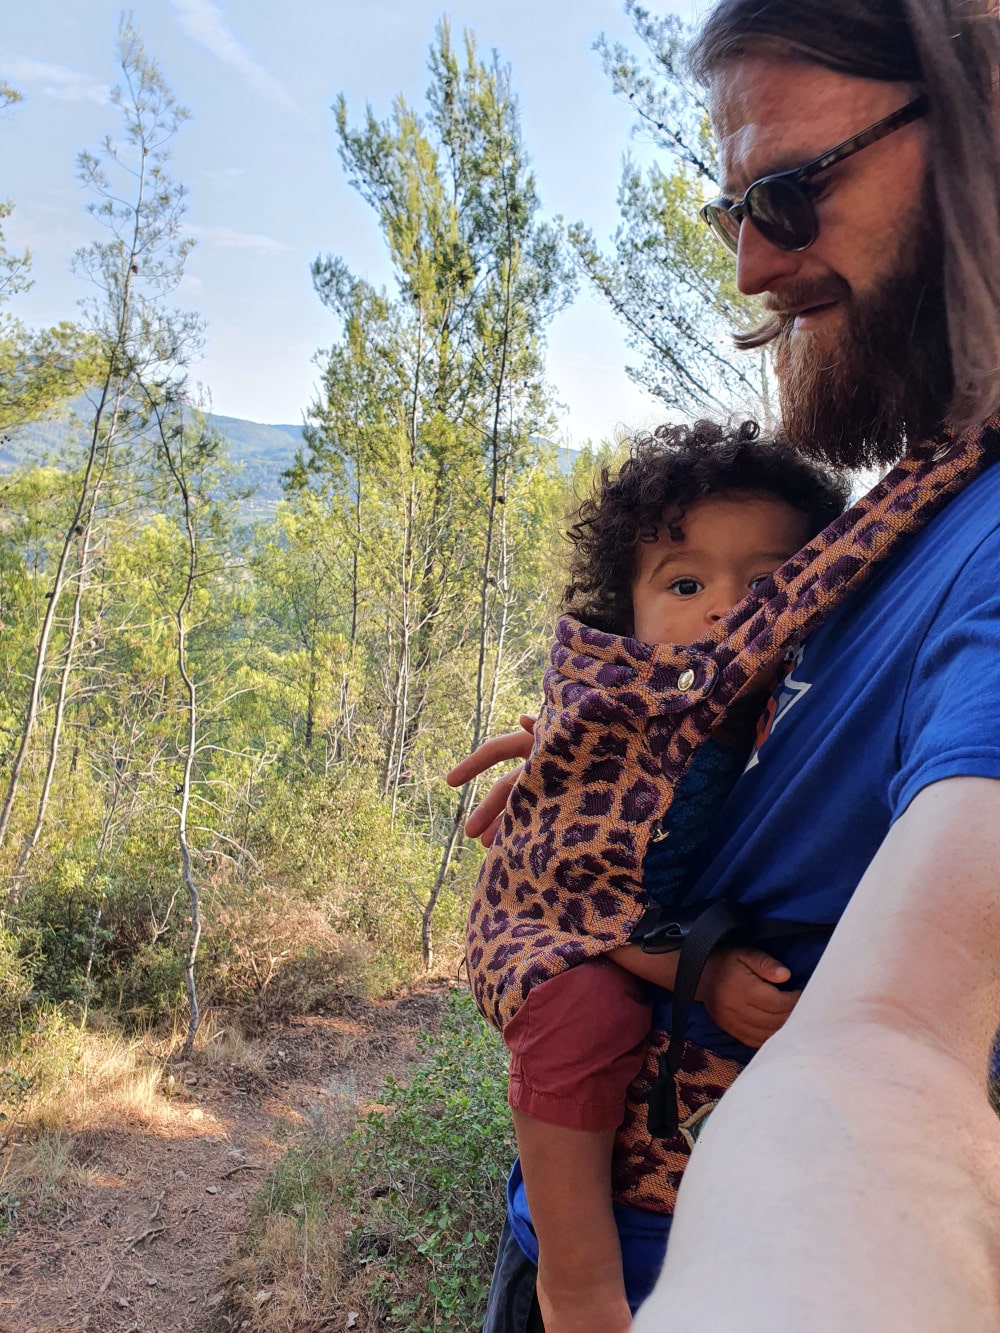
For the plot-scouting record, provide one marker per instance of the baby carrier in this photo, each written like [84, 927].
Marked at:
[619, 728]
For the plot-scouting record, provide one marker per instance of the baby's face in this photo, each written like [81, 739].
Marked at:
[730, 544]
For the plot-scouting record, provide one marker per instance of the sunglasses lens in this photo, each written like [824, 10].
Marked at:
[782, 212]
[723, 224]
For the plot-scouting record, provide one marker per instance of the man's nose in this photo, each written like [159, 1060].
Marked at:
[761, 266]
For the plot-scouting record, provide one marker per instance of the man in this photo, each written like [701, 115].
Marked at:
[851, 1177]
[875, 1174]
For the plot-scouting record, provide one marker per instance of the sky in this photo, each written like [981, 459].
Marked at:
[267, 193]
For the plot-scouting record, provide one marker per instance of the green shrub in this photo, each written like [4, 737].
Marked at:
[15, 988]
[105, 941]
[37, 1058]
[426, 1182]
[329, 840]
[269, 955]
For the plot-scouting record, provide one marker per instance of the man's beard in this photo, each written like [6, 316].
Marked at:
[887, 380]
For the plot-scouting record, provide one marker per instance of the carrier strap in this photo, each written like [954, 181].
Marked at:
[660, 931]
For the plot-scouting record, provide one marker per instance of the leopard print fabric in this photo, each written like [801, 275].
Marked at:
[646, 1170]
[619, 726]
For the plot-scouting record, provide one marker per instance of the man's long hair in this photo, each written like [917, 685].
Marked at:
[951, 49]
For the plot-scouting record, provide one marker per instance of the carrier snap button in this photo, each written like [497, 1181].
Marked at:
[685, 680]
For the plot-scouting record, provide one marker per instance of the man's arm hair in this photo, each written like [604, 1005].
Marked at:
[850, 1180]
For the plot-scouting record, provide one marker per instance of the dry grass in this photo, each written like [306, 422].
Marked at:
[292, 1270]
[63, 1082]
[60, 1083]
[222, 1046]
[63, 1078]
[290, 1265]
[36, 1173]
[101, 1148]
[273, 956]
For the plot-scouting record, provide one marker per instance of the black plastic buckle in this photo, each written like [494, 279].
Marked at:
[661, 930]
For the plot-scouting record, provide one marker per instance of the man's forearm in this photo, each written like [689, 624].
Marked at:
[841, 1192]
[850, 1180]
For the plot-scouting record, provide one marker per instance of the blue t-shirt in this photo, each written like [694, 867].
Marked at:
[899, 688]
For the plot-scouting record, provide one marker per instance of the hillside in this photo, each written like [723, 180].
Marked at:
[262, 451]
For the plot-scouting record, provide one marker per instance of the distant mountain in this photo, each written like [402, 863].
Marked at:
[264, 452]
[261, 451]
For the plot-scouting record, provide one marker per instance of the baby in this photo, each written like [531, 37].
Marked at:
[693, 521]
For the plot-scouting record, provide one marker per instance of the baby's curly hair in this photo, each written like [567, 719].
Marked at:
[664, 474]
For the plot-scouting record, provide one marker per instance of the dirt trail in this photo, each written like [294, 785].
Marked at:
[135, 1243]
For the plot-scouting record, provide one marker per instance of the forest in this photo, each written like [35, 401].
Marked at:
[222, 744]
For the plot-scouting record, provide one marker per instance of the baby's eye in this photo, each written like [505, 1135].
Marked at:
[755, 583]
[686, 587]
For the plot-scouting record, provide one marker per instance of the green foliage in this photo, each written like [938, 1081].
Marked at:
[305, 1181]
[409, 566]
[37, 1057]
[332, 838]
[41, 368]
[426, 1182]
[668, 280]
[14, 268]
[336, 663]
[95, 943]
[9, 96]
[15, 988]
[9, 1207]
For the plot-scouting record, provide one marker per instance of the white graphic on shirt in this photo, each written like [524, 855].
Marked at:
[691, 1128]
[788, 693]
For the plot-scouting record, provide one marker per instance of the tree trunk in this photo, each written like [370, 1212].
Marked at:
[41, 654]
[483, 712]
[114, 388]
[177, 470]
[54, 743]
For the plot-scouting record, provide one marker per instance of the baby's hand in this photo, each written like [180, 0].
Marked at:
[739, 988]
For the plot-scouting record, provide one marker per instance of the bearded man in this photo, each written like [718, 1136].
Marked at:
[851, 1178]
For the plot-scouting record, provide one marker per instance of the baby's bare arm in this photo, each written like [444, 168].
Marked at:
[739, 987]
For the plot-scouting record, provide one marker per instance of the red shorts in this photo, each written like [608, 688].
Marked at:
[576, 1044]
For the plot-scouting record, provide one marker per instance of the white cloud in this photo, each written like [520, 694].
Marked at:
[191, 287]
[231, 239]
[205, 23]
[58, 81]
[222, 175]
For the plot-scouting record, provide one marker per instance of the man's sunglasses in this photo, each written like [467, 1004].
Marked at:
[781, 206]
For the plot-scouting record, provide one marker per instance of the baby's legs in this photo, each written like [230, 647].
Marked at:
[576, 1044]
